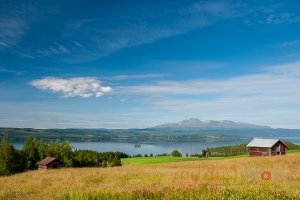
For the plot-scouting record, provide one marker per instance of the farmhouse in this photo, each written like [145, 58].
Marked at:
[266, 147]
[49, 163]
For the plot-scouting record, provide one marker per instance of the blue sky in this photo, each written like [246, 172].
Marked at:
[125, 64]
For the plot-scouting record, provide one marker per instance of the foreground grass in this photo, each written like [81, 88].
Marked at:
[209, 179]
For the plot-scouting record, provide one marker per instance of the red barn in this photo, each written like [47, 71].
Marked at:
[266, 147]
[49, 163]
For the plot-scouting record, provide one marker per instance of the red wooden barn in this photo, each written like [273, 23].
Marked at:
[266, 147]
[49, 163]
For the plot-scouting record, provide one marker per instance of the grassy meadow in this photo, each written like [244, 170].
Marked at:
[167, 159]
[198, 179]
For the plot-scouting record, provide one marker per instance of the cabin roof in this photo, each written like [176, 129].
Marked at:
[258, 142]
[46, 161]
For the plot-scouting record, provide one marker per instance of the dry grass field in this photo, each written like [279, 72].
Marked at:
[212, 179]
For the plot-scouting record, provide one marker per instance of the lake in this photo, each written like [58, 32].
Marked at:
[158, 147]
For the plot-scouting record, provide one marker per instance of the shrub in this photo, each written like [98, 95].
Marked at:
[176, 153]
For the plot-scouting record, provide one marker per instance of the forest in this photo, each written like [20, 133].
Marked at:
[13, 160]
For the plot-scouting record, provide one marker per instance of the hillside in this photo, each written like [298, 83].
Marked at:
[186, 130]
[229, 179]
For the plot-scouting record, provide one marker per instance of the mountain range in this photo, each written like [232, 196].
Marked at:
[186, 130]
[210, 124]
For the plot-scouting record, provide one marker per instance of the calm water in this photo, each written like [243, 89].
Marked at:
[154, 147]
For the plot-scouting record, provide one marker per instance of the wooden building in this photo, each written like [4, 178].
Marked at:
[266, 147]
[50, 163]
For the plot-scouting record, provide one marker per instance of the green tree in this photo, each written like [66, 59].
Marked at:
[206, 153]
[176, 153]
[42, 149]
[66, 154]
[10, 159]
[31, 153]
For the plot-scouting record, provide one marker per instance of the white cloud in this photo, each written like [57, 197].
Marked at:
[74, 87]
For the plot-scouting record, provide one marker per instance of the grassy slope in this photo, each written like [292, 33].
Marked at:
[227, 179]
[167, 159]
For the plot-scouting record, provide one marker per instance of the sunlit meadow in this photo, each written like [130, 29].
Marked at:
[212, 179]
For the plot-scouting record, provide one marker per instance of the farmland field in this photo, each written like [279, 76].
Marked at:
[204, 179]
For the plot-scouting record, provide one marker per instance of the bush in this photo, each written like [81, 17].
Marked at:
[176, 153]
[116, 162]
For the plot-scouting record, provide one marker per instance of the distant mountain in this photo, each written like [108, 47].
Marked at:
[194, 123]
[186, 130]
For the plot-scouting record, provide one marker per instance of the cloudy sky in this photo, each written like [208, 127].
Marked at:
[125, 64]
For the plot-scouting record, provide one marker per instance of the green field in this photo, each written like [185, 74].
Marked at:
[293, 151]
[156, 160]
[167, 159]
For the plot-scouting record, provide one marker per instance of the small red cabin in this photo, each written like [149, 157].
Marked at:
[50, 163]
[266, 147]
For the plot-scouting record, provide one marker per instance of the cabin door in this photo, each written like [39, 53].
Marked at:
[278, 150]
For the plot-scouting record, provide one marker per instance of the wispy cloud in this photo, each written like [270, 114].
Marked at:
[274, 89]
[5, 70]
[11, 29]
[136, 76]
[74, 87]
[4, 44]
[55, 49]
[280, 18]
[289, 43]
[272, 14]
[137, 29]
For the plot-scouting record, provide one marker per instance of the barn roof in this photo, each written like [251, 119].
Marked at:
[46, 161]
[258, 142]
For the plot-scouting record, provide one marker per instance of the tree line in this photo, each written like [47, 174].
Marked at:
[13, 160]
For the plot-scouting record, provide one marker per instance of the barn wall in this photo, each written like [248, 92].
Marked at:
[54, 164]
[279, 149]
[259, 151]
[42, 167]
